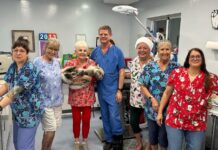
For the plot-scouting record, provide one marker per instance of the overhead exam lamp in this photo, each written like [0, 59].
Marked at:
[129, 10]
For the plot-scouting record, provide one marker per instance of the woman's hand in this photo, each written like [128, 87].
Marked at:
[159, 119]
[155, 104]
[209, 106]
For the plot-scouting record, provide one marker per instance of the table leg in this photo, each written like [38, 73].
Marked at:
[213, 135]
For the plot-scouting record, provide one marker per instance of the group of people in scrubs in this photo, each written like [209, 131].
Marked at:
[174, 98]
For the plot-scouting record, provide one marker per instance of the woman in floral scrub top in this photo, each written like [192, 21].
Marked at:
[22, 89]
[188, 90]
[143, 47]
[153, 83]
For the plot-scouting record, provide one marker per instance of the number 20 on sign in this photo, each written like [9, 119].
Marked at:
[46, 36]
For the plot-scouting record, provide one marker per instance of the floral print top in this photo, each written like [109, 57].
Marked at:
[27, 106]
[155, 80]
[187, 108]
[136, 98]
[52, 83]
[86, 95]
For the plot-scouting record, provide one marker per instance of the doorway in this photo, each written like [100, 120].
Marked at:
[168, 25]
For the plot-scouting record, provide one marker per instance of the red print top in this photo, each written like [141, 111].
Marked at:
[86, 95]
[187, 106]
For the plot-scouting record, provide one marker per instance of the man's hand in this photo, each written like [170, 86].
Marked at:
[119, 96]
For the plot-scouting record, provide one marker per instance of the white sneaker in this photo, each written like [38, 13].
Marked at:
[76, 145]
[85, 145]
[143, 125]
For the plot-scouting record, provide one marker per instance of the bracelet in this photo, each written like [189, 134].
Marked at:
[150, 97]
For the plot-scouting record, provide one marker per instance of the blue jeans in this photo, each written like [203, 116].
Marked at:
[193, 139]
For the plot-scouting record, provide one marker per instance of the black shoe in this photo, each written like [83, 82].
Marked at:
[107, 146]
[118, 142]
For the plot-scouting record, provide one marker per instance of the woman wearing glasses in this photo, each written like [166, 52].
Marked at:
[52, 87]
[187, 92]
[22, 89]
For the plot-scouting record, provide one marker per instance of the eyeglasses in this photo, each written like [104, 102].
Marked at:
[197, 57]
[19, 51]
[53, 49]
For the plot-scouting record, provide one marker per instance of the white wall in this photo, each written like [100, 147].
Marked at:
[71, 19]
[68, 20]
[195, 29]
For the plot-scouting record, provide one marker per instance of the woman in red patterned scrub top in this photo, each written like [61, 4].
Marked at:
[81, 99]
[188, 90]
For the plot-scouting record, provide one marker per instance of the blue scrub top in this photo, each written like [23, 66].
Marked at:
[111, 62]
[27, 106]
[51, 81]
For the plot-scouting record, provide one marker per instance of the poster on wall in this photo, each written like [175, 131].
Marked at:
[214, 18]
[25, 34]
[43, 37]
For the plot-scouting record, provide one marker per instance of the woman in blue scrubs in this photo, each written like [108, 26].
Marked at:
[22, 90]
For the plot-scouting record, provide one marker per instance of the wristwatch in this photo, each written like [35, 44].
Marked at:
[1, 108]
[120, 89]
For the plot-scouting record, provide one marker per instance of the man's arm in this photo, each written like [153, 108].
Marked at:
[121, 78]
[119, 96]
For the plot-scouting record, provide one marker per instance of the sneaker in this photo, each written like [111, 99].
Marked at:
[143, 125]
[107, 146]
[76, 145]
[85, 145]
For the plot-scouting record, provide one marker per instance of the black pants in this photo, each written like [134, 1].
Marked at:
[135, 114]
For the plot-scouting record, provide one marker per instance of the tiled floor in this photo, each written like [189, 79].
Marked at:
[64, 141]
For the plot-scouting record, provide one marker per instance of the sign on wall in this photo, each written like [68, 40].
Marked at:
[43, 37]
[46, 36]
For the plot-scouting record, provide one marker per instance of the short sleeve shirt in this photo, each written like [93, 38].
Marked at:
[27, 106]
[86, 95]
[52, 82]
[187, 108]
[136, 98]
[111, 62]
[155, 80]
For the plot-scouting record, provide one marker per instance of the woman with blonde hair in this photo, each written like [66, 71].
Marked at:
[153, 83]
[50, 67]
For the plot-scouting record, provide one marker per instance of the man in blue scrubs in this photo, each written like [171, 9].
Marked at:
[110, 58]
